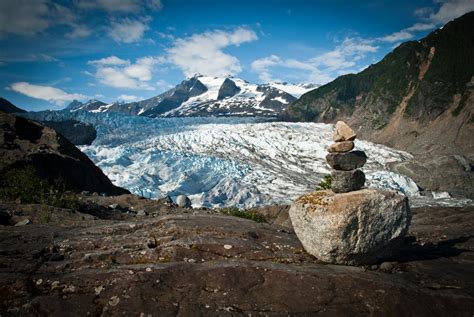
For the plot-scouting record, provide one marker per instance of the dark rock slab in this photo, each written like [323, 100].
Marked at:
[346, 161]
[346, 181]
[450, 173]
[78, 133]
[208, 264]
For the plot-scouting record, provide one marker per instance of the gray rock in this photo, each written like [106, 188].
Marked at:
[450, 173]
[386, 266]
[23, 223]
[166, 200]
[141, 213]
[183, 201]
[355, 228]
[346, 161]
[347, 181]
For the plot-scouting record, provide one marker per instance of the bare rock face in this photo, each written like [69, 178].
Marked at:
[360, 227]
[343, 132]
[26, 143]
[341, 147]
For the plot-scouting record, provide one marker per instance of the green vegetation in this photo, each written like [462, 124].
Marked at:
[24, 185]
[325, 183]
[247, 214]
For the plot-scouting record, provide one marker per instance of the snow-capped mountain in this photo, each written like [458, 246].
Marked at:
[209, 96]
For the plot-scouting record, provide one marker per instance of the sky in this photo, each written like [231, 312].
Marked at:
[53, 52]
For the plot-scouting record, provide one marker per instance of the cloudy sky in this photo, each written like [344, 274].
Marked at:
[52, 52]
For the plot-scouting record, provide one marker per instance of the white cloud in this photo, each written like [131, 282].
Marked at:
[119, 6]
[111, 60]
[396, 37]
[321, 68]
[48, 93]
[119, 73]
[23, 17]
[203, 53]
[79, 31]
[128, 98]
[450, 10]
[163, 84]
[127, 30]
[420, 27]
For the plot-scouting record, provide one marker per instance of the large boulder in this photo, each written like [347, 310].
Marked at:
[360, 227]
[183, 201]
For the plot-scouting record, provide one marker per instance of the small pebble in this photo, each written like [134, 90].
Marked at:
[114, 300]
[386, 266]
[227, 246]
[151, 243]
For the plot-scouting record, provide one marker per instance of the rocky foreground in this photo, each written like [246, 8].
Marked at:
[137, 257]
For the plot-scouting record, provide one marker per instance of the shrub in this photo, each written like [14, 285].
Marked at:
[24, 185]
[325, 183]
[247, 214]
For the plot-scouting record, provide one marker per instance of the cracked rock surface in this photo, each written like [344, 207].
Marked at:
[183, 262]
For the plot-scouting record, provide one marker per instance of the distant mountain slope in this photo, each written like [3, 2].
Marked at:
[418, 98]
[208, 96]
[8, 107]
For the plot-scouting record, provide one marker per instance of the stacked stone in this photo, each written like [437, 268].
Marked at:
[345, 163]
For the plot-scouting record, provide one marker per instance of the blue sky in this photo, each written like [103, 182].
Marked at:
[52, 52]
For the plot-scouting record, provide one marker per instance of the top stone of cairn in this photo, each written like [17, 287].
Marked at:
[343, 132]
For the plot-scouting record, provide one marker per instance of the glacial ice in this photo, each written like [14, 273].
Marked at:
[219, 162]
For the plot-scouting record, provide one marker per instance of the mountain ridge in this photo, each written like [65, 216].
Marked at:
[201, 95]
[419, 97]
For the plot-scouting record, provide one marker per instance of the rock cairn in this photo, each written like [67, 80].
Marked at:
[350, 224]
[345, 163]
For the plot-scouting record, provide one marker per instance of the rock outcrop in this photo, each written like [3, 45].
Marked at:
[25, 143]
[228, 89]
[78, 133]
[8, 107]
[202, 264]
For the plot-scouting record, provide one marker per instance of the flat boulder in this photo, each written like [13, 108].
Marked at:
[356, 228]
[347, 181]
[341, 147]
[346, 161]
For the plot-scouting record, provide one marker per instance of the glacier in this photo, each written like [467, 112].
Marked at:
[222, 161]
